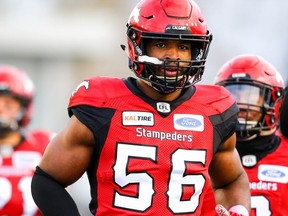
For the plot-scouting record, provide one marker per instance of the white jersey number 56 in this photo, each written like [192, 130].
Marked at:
[177, 179]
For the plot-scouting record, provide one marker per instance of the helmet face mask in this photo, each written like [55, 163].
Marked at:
[161, 81]
[154, 20]
[257, 88]
[256, 107]
[8, 125]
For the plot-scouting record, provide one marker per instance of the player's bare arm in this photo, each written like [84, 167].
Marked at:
[65, 160]
[228, 177]
[68, 155]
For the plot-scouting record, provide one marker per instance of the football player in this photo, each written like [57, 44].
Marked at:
[258, 89]
[20, 148]
[149, 144]
[284, 114]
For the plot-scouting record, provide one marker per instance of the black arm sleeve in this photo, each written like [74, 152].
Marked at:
[51, 197]
[284, 115]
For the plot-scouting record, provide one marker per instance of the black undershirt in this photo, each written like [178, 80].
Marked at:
[260, 146]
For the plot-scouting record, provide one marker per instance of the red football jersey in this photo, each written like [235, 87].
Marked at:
[268, 184]
[152, 157]
[16, 171]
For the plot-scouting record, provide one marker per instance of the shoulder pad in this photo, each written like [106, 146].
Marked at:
[215, 96]
[96, 91]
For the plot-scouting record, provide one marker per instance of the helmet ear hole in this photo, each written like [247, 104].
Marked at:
[135, 66]
[270, 120]
[132, 34]
[276, 94]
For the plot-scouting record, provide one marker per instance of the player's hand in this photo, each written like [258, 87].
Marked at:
[221, 211]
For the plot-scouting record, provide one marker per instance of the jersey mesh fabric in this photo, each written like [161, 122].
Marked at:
[150, 164]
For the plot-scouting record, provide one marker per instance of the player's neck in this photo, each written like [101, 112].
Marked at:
[155, 95]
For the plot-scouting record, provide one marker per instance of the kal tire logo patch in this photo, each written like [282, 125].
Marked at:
[130, 118]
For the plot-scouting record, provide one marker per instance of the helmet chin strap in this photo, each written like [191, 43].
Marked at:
[263, 133]
[157, 88]
[161, 87]
[151, 85]
[239, 138]
[170, 78]
[267, 132]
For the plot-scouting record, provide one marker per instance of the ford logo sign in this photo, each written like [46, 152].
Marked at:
[273, 173]
[188, 122]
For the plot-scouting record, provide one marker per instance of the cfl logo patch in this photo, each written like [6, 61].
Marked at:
[163, 107]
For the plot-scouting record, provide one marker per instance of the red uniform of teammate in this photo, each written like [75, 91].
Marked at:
[284, 114]
[258, 89]
[16, 171]
[20, 150]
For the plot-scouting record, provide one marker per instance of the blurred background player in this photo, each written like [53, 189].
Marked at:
[258, 89]
[148, 144]
[20, 149]
[284, 113]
